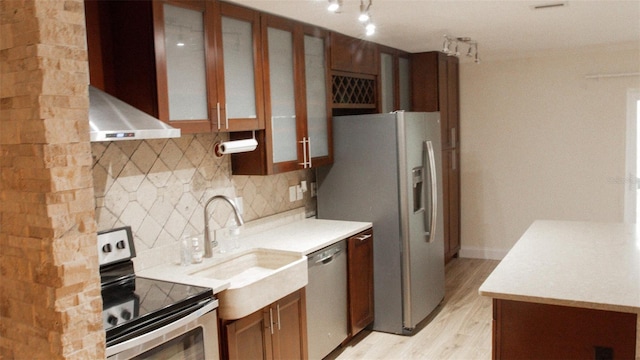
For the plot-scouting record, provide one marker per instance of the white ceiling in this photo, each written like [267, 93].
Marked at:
[500, 27]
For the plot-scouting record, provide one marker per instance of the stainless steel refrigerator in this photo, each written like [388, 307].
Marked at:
[387, 170]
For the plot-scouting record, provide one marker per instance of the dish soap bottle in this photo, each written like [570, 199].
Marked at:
[196, 251]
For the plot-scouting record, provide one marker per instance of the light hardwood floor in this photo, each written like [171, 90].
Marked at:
[460, 328]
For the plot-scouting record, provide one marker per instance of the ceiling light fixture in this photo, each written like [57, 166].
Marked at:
[456, 42]
[334, 5]
[364, 11]
[370, 28]
[364, 17]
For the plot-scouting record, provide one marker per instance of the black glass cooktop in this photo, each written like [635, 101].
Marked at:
[137, 305]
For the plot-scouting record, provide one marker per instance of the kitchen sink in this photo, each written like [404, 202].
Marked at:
[257, 278]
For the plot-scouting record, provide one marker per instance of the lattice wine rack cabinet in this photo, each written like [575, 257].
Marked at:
[353, 90]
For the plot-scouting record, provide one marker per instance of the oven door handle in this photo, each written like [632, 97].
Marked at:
[144, 338]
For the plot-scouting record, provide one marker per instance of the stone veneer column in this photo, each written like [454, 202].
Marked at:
[50, 303]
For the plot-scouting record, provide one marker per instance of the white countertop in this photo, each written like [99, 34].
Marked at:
[306, 236]
[301, 236]
[579, 264]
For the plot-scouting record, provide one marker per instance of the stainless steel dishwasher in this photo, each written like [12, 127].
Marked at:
[327, 300]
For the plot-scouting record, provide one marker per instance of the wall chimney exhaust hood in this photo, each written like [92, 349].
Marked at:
[112, 119]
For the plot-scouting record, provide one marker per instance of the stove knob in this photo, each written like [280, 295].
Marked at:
[112, 320]
[106, 248]
[126, 314]
[121, 245]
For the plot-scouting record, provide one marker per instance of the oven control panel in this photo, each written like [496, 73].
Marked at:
[115, 245]
[120, 313]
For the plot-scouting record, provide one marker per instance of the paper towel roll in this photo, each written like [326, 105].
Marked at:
[236, 146]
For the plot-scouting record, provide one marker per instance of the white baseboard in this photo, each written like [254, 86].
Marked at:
[482, 253]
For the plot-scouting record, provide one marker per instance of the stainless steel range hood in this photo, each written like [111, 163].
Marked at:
[112, 119]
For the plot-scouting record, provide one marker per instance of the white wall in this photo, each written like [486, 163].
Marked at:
[539, 141]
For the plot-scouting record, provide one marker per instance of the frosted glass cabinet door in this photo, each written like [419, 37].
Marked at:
[185, 57]
[283, 107]
[316, 87]
[239, 75]
[386, 79]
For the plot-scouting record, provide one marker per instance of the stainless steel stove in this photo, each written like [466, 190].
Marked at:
[146, 318]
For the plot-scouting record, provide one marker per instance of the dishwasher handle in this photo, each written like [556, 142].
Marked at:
[328, 258]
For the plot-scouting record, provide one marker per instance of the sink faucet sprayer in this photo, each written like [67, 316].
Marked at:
[208, 249]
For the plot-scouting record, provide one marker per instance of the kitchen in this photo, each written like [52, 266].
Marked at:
[500, 195]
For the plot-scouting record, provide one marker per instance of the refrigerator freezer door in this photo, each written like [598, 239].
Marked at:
[362, 185]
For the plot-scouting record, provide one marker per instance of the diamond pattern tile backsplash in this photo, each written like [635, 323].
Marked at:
[159, 187]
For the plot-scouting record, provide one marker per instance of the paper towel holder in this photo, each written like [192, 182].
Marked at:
[235, 146]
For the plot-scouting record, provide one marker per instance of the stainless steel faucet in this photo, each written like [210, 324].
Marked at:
[208, 250]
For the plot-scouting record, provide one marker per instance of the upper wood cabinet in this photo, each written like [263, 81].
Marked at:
[435, 87]
[394, 81]
[297, 134]
[353, 55]
[194, 64]
[185, 77]
[240, 104]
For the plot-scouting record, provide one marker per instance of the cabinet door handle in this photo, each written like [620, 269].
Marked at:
[363, 237]
[309, 148]
[278, 307]
[454, 160]
[226, 116]
[304, 152]
[271, 320]
[218, 112]
[453, 138]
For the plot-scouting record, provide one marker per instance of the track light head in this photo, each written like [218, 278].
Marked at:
[370, 29]
[456, 43]
[334, 5]
[364, 12]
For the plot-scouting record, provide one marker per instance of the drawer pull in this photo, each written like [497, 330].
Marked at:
[363, 237]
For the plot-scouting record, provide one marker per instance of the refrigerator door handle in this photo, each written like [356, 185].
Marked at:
[430, 217]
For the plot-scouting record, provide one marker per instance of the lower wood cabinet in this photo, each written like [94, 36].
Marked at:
[360, 281]
[523, 330]
[278, 331]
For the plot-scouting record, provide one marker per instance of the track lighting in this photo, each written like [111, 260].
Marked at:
[364, 12]
[370, 28]
[364, 16]
[334, 5]
[472, 47]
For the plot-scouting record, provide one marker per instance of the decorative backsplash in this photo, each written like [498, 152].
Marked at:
[159, 187]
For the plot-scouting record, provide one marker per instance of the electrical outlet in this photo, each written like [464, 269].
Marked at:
[292, 193]
[603, 353]
[299, 193]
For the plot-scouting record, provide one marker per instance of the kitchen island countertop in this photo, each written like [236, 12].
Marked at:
[578, 264]
[568, 289]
